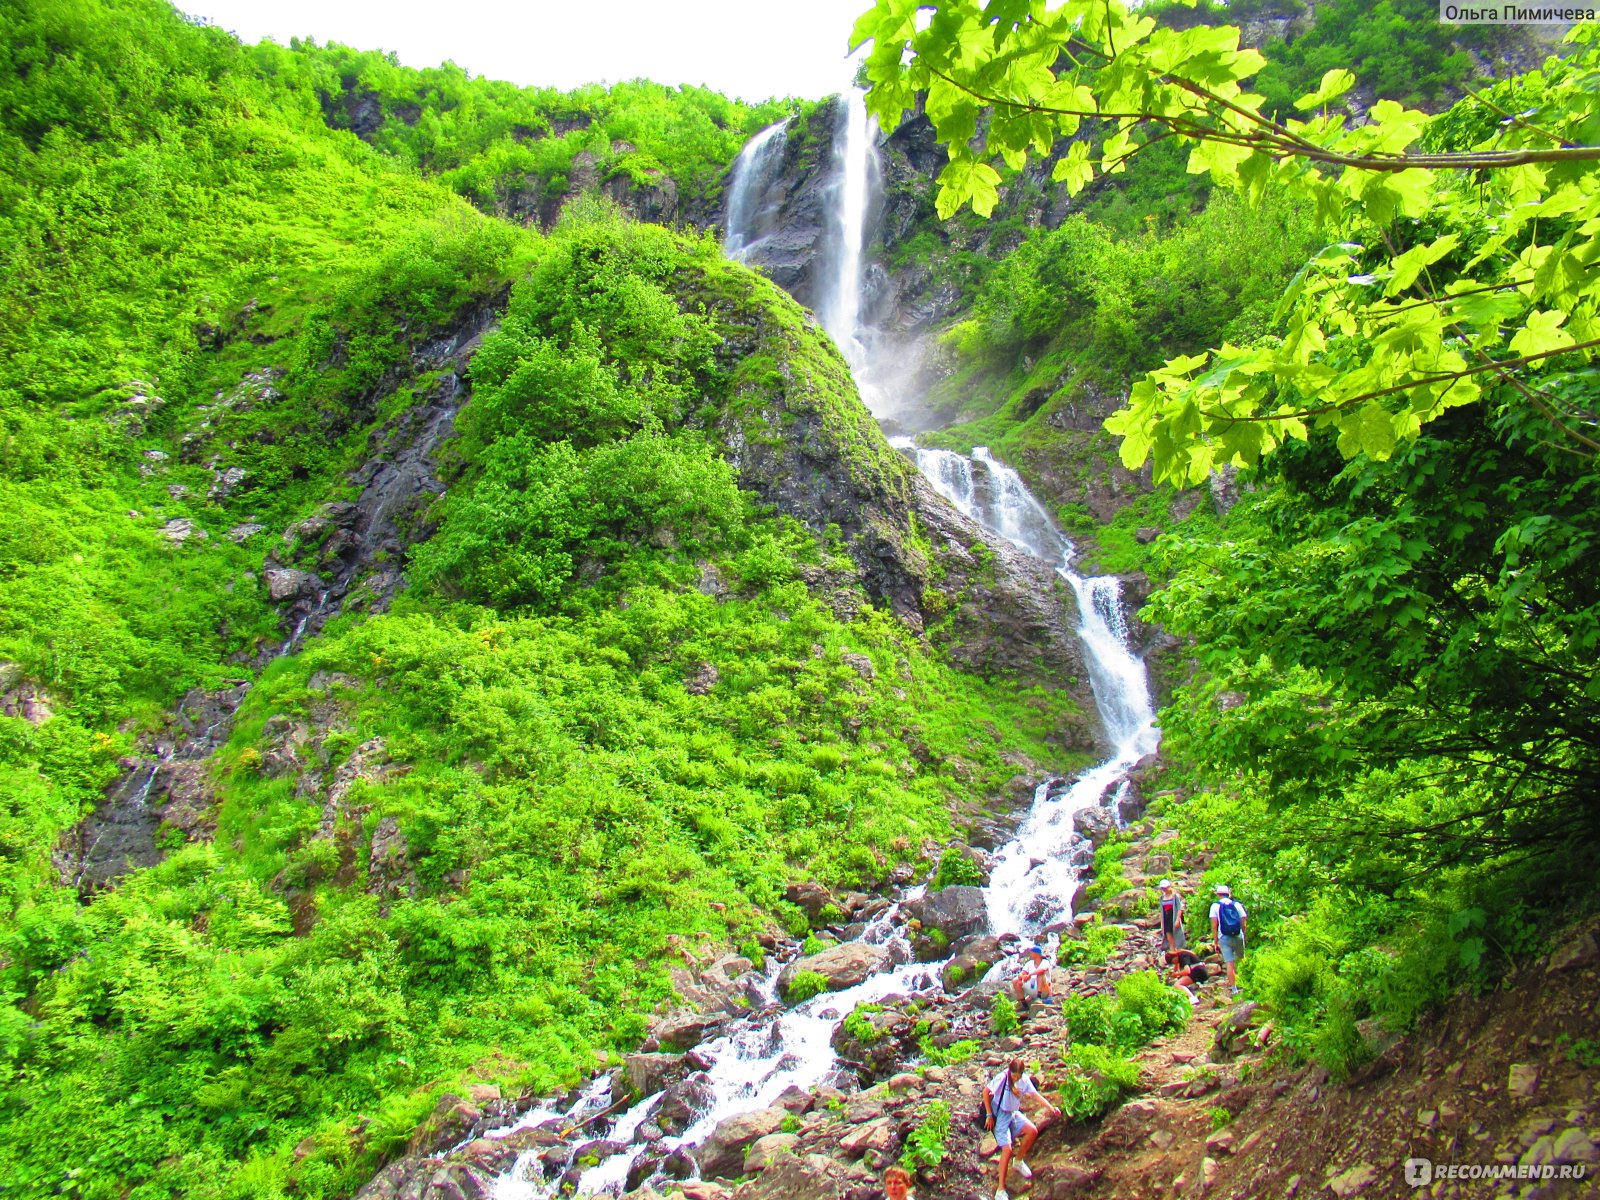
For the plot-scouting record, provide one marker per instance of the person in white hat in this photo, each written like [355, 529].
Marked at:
[1227, 926]
[1172, 918]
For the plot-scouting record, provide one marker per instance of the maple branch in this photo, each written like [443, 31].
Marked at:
[1498, 365]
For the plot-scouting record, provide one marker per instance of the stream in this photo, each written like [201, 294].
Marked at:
[1033, 875]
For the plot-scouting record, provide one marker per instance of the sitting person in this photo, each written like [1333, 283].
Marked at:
[1033, 983]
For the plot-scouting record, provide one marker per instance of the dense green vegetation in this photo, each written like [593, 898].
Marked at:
[509, 148]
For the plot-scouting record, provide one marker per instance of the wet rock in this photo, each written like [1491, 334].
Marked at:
[843, 966]
[647, 1074]
[795, 1177]
[722, 1155]
[1094, 824]
[449, 1122]
[489, 1156]
[685, 1030]
[683, 1103]
[956, 912]
[971, 962]
[814, 899]
[796, 1100]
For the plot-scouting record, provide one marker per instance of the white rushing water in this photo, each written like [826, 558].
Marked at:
[751, 207]
[1033, 875]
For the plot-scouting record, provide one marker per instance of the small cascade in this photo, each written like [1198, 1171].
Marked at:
[751, 204]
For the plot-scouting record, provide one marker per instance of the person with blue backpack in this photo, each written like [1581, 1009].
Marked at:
[1227, 926]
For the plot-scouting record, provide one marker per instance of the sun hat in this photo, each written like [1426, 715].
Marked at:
[1164, 884]
[1224, 890]
[1035, 950]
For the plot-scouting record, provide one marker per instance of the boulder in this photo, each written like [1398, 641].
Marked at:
[763, 1152]
[843, 966]
[647, 1074]
[682, 1104]
[449, 1122]
[722, 1155]
[685, 1030]
[971, 962]
[878, 1136]
[284, 583]
[795, 1177]
[1580, 951]
[796, 1099]
[813, 899]
[1094, 824]
[956, 912]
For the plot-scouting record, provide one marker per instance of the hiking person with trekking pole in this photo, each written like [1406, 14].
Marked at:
[1227, 926]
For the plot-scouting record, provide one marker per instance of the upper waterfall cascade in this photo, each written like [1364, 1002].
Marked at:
[1033, 876]
[751, 211]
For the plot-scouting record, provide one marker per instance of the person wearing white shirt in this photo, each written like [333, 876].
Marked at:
[1227, 926]
[1033, 983]
[1002, 1109]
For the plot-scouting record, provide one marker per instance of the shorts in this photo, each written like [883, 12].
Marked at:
[1009, 1127]
[1232, 947]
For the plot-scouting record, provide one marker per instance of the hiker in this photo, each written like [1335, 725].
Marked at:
[1227, 926]
[1002, 1113]
[897, 1184]
[1172, 917]
[1033, 983]
[1188, 972]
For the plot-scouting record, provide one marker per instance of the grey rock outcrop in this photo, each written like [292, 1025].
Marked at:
[843, 966]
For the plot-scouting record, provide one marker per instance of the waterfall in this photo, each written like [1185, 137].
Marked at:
[1034, 875]
[751, 207]
[840, 287]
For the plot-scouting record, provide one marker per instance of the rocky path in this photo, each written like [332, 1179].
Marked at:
[1510, 1080]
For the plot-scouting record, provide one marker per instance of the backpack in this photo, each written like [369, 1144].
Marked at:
[1228, 919]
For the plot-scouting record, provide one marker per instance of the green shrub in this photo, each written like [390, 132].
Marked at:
[859, 1023]
[956, 867]
[1221, 1117]
[926, 1147]
[1094, 1081]
[813, 945]
[1094, 948]
[1002, 1015]
[1159, 1007]
[805, 985]
[947, 1056]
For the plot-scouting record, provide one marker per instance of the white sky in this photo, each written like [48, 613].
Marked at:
[751, 49]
